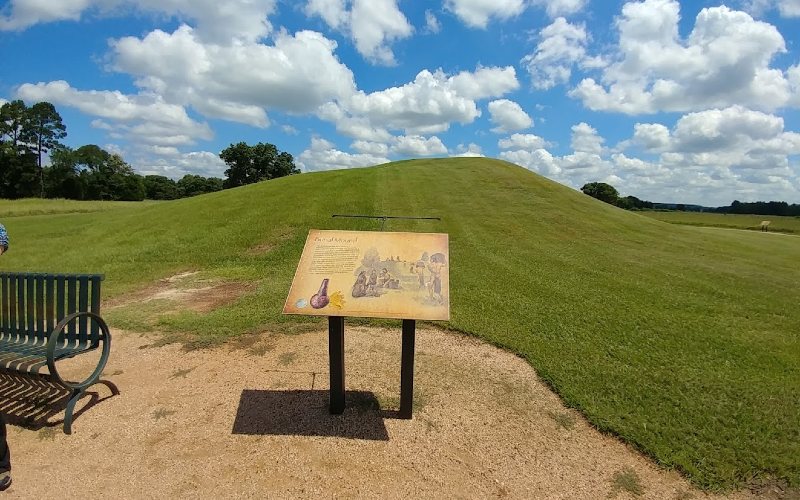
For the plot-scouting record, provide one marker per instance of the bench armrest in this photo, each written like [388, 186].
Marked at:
[52, 342]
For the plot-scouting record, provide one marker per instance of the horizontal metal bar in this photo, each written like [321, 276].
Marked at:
[385, 217]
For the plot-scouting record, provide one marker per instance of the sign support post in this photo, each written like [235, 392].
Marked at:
[336, 355]
[407, 369]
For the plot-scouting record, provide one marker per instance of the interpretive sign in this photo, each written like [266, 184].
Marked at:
[372, 274]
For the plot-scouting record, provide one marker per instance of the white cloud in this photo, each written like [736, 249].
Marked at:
[538, 160]
[528, 142]
[476, 13]
[175, 165]
[372, 148]
[416, 145]
[145, 117]
[508, 116]
[372, 24]
[428, 105]
[793, 76]
[651, 136]
[322, 155]
[562, 45]
[585, 139]
[296, 74]
[471, 150]
[432, 24]
[789, 8]
[724, 61]
[484, 82]
[557, 8]
[219, 22]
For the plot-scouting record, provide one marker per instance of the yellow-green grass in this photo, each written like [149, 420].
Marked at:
[38, 206]
[778, 224]
[681, 340]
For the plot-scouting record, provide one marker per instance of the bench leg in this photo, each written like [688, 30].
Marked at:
[73, 398]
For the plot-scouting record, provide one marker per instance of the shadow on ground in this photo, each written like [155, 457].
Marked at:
[305, 413]
[32, 401]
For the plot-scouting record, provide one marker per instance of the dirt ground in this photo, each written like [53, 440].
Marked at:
[250, 419]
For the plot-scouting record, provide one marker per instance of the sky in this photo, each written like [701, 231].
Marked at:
[687, 102]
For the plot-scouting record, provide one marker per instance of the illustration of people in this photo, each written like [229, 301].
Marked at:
[360, 286]
[420, 271]
[437, 262]
[384, 278]
[372, 283]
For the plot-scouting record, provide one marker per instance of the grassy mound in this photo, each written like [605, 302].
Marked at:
[681, 340]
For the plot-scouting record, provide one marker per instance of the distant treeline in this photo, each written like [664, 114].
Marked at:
[609, 194]
[761, 208]
[30, 134]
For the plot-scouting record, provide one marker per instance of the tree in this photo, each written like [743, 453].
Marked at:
[249, 164]
[12, 121]
[46, 130]
[62, 178]
[601, 191]
[158, 187]
[17, 162]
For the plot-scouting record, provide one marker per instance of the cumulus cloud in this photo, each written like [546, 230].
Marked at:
[707, 157]
[561, 46]
[416, 145]
[725, 60]
[478, 13]
[323, 155]
[585, 139]
[508, 116]
[528, 142]
[297, 74]
[470, 150]
[372, 24]
[557, 8]
[372, 148]
[428, 105]
[218, 22]
[173, 164]
[144, 117]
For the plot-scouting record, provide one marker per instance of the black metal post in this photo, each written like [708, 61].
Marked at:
[407, 369]
[336, 355]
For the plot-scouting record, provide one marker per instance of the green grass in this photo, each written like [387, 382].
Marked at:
[790, 225]
[38, 206]
[681, 340]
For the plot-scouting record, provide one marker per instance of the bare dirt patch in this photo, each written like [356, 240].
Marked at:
[186, 291]
[227, 423]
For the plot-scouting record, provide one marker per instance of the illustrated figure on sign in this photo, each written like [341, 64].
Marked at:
[384, 278]
[360, 286]
[437, 262]
[420, 271]
[372, 283]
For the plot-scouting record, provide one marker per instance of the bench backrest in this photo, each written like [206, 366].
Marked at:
[32, 304]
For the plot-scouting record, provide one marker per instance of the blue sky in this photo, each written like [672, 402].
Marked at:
[693, 102]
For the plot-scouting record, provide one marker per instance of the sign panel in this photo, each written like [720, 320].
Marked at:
[372, 274]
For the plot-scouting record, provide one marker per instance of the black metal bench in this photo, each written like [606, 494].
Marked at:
[46, 318]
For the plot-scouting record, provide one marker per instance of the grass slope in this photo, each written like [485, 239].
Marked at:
[681, 340]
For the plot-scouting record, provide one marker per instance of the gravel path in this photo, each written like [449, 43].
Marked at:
[251, 420]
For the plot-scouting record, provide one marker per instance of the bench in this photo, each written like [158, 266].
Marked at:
[46, 318]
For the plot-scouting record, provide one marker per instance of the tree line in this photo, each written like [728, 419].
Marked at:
[609, 194]
[31, 135]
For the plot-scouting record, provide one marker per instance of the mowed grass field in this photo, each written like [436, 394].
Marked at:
[683, 341]
[789, 225]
